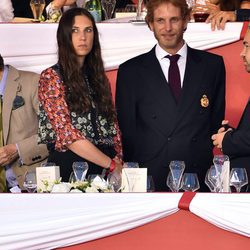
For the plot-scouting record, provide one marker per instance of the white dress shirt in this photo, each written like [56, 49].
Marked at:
[165, 62]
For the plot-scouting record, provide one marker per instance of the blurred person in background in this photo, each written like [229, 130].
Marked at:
[236, 142]
[228, 11]
[6, 11]
[55, 9]
[22, 8]
[20, 151]
[77, 115]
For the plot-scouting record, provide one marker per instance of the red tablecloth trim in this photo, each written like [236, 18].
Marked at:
[243, 30]
[185, 200]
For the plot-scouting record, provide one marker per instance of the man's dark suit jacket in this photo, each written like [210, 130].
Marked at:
[236, 143]
[156, 130]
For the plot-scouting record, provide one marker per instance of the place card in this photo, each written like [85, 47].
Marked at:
[134, 180]
[46, 175]
[226, 176]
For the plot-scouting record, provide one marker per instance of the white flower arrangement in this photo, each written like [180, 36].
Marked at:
[97, 185]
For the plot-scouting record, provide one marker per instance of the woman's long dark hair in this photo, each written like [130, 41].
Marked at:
[76, 91]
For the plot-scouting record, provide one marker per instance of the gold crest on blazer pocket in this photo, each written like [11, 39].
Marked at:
[204, 101]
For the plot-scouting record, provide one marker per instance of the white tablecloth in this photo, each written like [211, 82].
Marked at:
[33, 46]
[47, 221]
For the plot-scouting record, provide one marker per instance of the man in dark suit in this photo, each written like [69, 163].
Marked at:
[157, 127]
[236, 142]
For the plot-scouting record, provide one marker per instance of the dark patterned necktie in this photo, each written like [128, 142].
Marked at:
[2, 169]
[174, 77]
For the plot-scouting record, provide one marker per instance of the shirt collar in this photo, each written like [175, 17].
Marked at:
[4, 79]
[161, 53]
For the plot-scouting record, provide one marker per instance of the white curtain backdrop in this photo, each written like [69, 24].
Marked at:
[33, 46]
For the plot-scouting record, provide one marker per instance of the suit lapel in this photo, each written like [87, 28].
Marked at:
[158, 87]
[245, 115]
[9, 95]
[191, 84]
[156, 79]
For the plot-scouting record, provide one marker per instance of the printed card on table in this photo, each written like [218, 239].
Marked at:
[49, 174]
[134, 180]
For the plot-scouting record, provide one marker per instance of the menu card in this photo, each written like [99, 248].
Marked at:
[134, 180]
[226, 176]
[48, 175]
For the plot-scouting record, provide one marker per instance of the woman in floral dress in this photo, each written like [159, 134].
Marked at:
[77, 119]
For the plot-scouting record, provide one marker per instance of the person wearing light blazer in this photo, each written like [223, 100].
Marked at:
[21, 151]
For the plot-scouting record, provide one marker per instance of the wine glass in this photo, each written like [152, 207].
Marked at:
[150, 184]
[139, 15]
[72, 177]
[80, 169]
[30, 183]
[108, 7]
[114, 180]
[208, 182]
[190, 182]
[200, 12]
[48, 164]
[214, 177]
[174, 186]
[238, 178]
[176, 168]
[37, 7]
[131, 165]
[219, 160]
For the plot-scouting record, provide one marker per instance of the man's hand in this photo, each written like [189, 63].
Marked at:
[218, 138]
[219, 19]
[8, 154]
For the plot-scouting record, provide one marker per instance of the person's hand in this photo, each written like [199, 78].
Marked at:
[8, 154]
[219, 19]
[118, 165]
[212, 8]
[218, 138]
[224, 127]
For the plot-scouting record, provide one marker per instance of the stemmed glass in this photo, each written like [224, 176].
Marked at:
[139, 16]
[37, 7]
[108, 7]
[190, 182]
[221, 164]
[48, 164]
[130, 165]
[208, 181]
[30, 183]
[214, 178]
[150, 184]
[175, 174]
[238, 178]
[114, 181]
[80, 169]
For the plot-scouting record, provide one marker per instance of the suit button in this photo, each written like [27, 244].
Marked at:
[194, 139]
[169, 138]
[153, 116]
